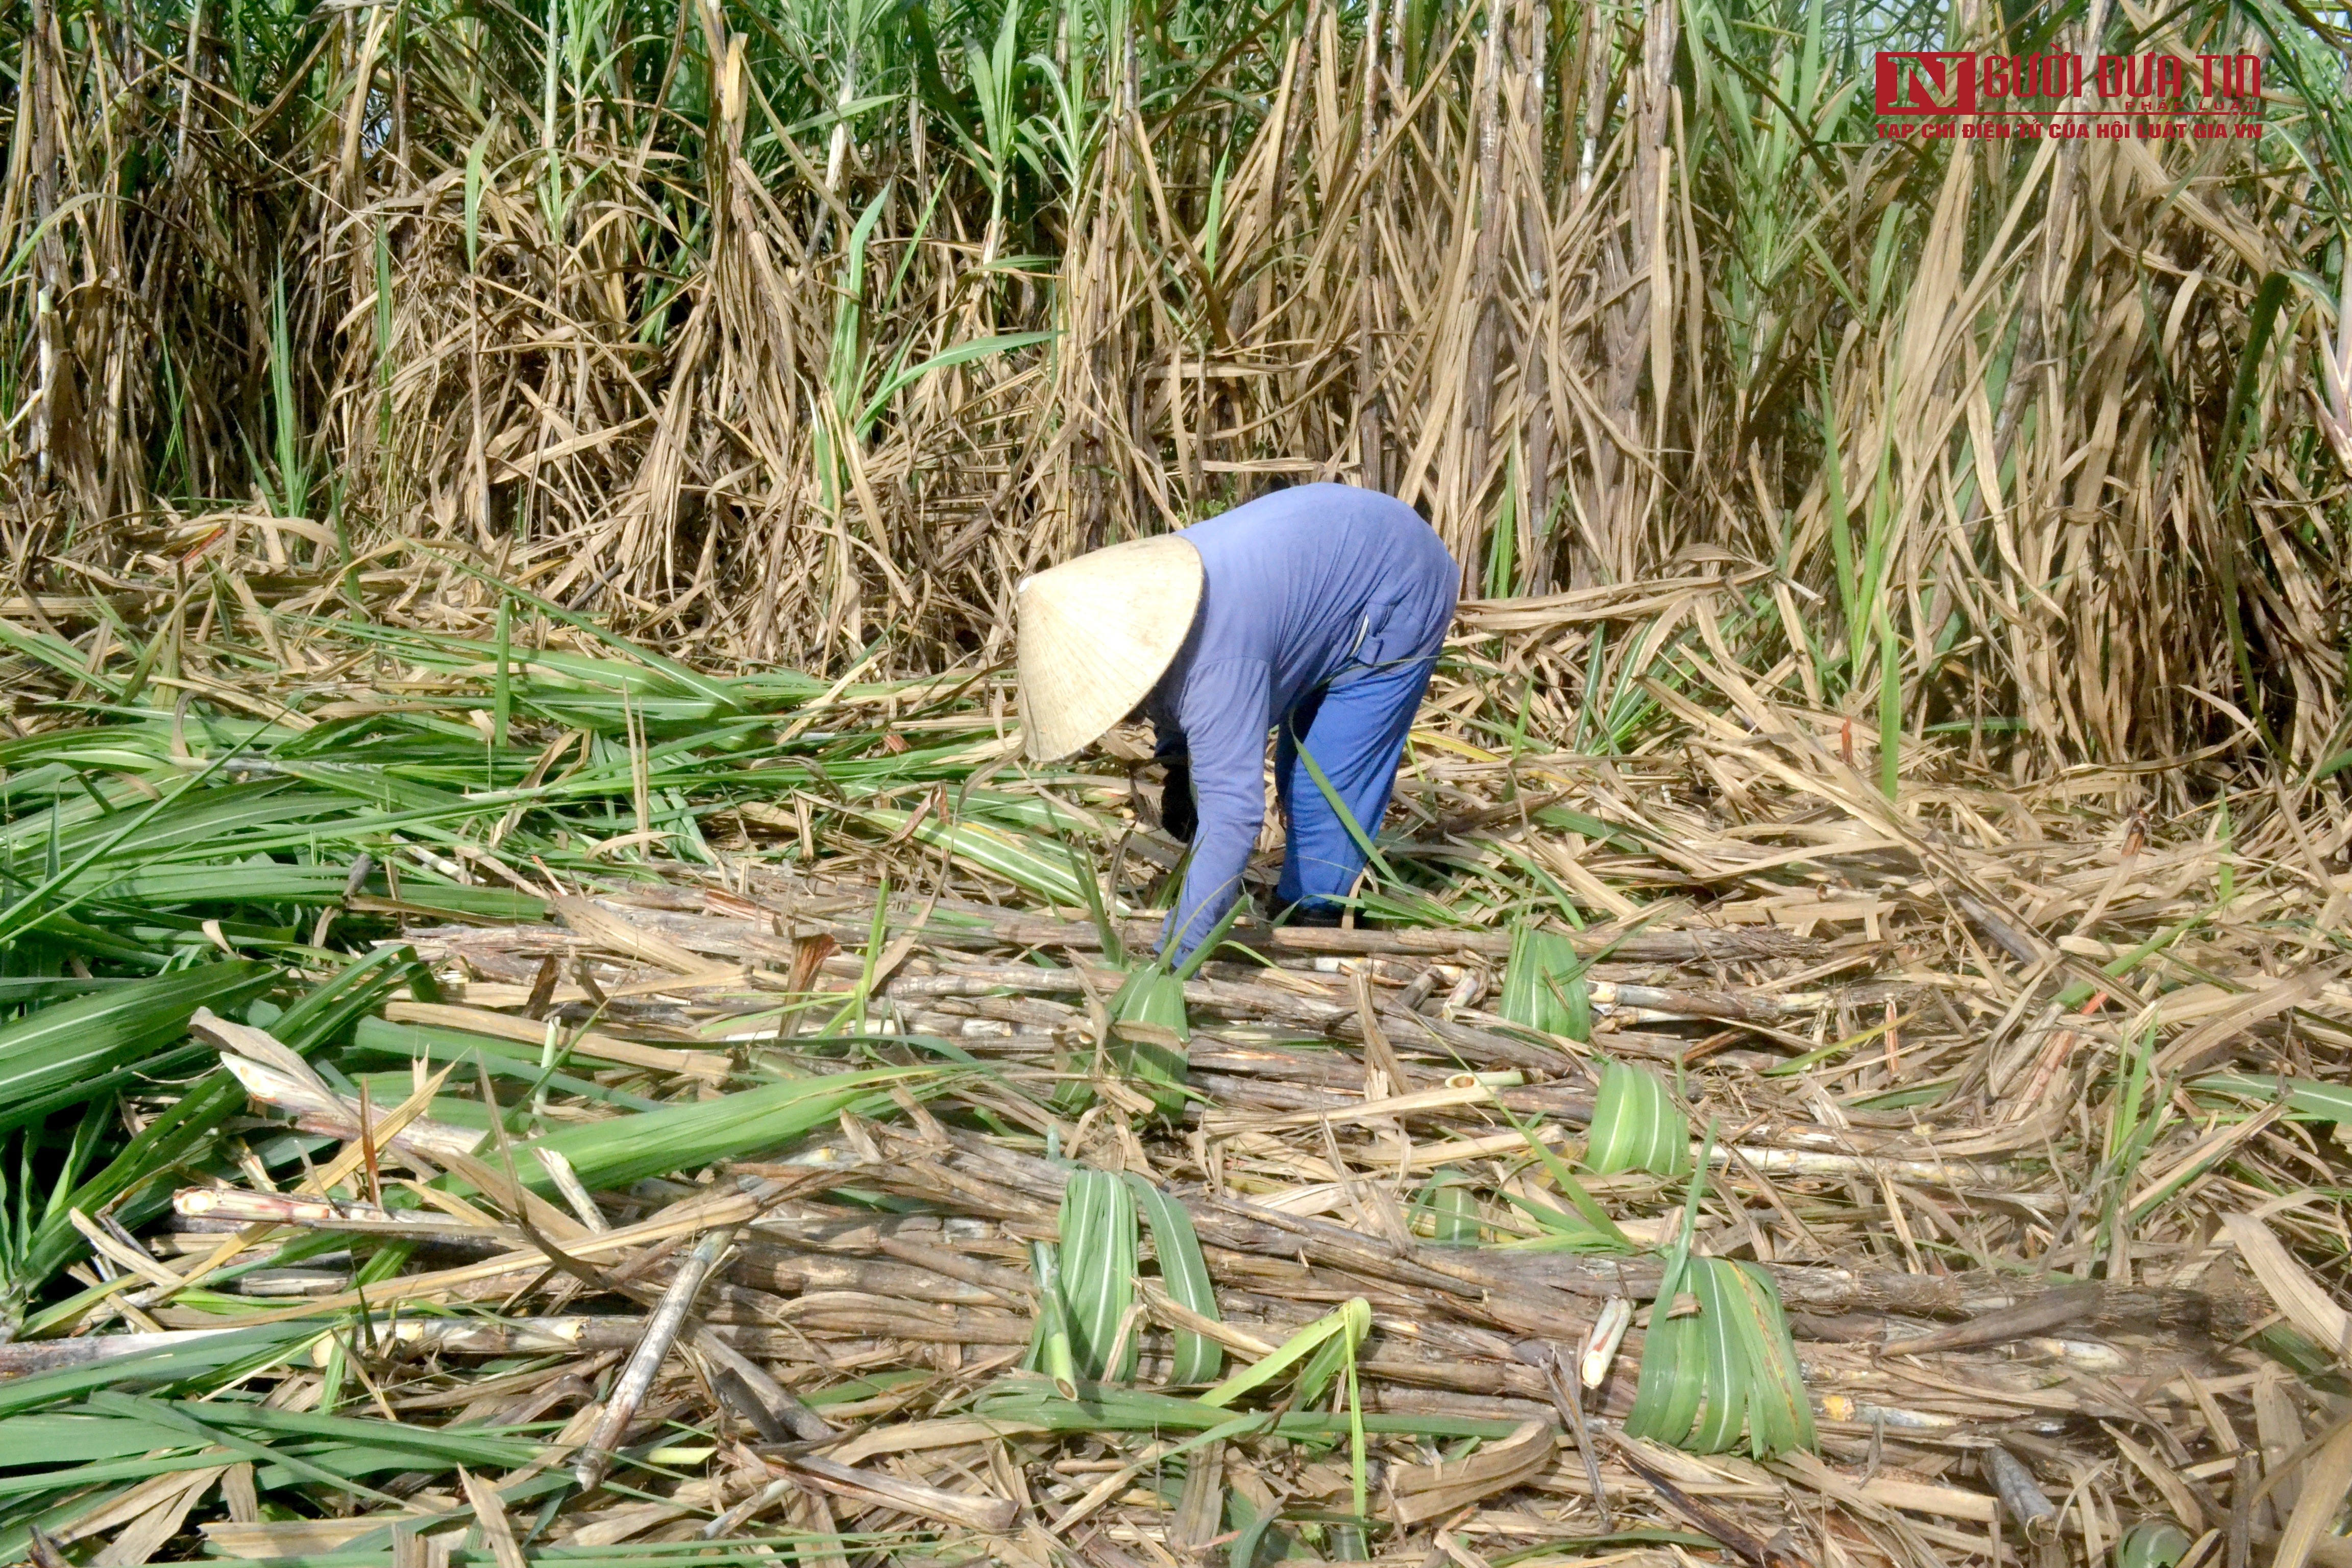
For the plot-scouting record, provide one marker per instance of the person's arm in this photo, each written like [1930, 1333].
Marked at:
[1171, 750]
[1225, 718]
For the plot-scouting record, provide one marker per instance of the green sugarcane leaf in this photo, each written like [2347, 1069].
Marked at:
[182, 1360]
[961, 354]
[1452, 1209]
[1725, 1374]
[1102, 1407]
[1049, 1343]
[1098, 1237]
[1780, 1416]
[1193, 962]
[1564, 1231]
[1074, 1088]
[624, 1149]
[66, 1478]
[1082, 872]
[209, 1426]
[1637, 1125]
[702, 686]
[326, 1014]
[1339, 809]
[1331, 1358]
[1185, 1274]
[2230, 452]
[984, 847]
[166, 1142]
[1666, 1397]
[60, 655]
[49, 898]
[1352, 1320]
[1249, 1540]
[1565, 1179]
[2152, 1543]
[72, 1051]
[2307, 1099]
[80, 1437]
[1666, 1406]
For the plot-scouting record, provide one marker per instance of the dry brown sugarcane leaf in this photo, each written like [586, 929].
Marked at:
[743, 1384]
[2305, 1303]
[2177, 1497]
[323, 1110]
[2278, 1427]
[370, 1145]
[491, 1516]
[328, 1214]
[259, 1540]
[1200, 1509]
[373, 1134]
[151, 1530]
[2191, 1048]
[944, 1432]
[2326, 1476]
[703, 1213]
[258, 1044]
[1425, 1492]
[990, 1516]
[528, 1207]
[1888, 1491]
[237, 1492]
[607, 929]
[1669, 1479]
[121, 1253]
[610, 1526]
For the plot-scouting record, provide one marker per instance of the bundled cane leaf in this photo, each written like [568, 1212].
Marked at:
[1727, 1376]
[1150, 1029]
[995, 851]
[1149, 1025]
[1636, 1126]
[1666, 1398]
[1726, 1370]
[1544, 985]
[1672, 1384]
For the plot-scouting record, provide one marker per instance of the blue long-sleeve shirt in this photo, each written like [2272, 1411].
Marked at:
[1300, 585]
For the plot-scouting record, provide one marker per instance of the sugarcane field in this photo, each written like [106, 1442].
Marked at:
[1176, 784]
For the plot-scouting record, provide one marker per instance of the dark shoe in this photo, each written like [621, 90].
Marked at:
[1314, 913]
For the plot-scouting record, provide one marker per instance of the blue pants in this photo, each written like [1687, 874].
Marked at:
[1355, 729]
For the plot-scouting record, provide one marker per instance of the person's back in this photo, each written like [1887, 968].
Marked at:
[1303, 577]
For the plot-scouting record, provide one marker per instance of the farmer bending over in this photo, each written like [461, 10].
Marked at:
[1315, 612]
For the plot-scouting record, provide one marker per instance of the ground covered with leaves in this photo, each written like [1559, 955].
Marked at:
[477, 1090]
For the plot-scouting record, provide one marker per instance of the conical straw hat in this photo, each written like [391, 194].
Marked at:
[1096, 634]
